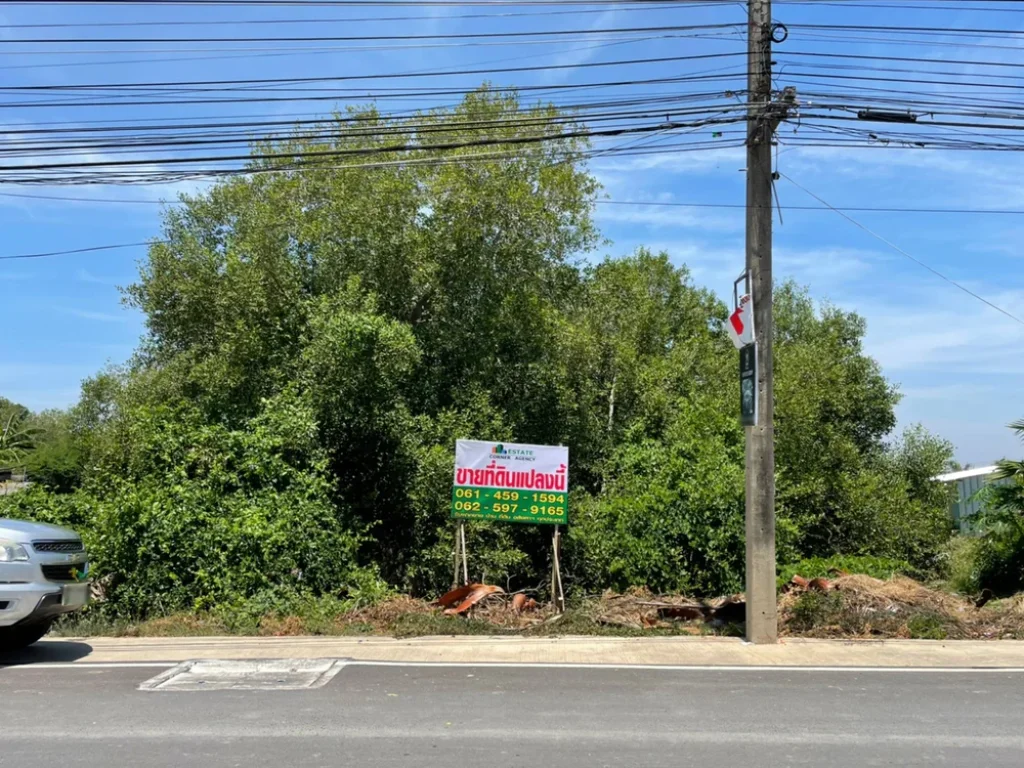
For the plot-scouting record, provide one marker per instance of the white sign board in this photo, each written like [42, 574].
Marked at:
[740, 324]
[511, 465]
[510, 481]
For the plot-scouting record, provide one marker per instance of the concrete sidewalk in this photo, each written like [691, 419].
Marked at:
[681, 651]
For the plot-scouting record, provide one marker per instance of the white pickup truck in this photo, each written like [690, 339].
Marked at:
[43, 574]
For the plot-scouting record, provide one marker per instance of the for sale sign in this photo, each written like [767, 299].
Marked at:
[510, 481]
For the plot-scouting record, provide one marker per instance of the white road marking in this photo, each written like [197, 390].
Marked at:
[251, 675]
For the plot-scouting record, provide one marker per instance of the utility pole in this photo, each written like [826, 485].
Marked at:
[762, 620]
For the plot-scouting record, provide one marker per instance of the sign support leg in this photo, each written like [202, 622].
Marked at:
[465, 564]
[557, 595]
[460, 556]
[456, 552]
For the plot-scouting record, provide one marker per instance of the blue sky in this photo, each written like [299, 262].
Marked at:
[957, 361]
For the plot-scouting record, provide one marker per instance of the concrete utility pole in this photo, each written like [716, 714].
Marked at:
[762, 621]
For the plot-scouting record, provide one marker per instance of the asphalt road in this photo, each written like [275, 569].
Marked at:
[499, 716]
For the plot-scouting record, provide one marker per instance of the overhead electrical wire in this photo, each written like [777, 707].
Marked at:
[361, 3]
[355, 92]
[452, 72]
[631, 203]
[90, 249]
[371, 38]
[361, 151]
[375, 76]
[668, 6]
[902, 252]
[160, 176]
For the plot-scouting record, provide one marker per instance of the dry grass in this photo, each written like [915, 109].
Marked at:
[863, 607]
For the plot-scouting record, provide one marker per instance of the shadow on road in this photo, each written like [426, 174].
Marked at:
[46, 651]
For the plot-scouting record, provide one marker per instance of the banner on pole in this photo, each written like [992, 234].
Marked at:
[740, 325]
[512, 482]
[748, 385]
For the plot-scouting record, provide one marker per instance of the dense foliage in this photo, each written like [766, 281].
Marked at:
[318, 337]
[995, 558]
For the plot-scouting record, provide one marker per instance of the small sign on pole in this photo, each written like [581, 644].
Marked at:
[748, 385]
[741, 322]
[740, 325]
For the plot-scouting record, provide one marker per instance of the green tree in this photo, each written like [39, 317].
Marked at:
[1009, 497]
[17, 435]
[997, 558]
[56, 458]
[323, 329]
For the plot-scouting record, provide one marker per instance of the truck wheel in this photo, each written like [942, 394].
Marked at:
[21, 636]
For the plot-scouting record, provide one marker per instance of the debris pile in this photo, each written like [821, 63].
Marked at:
[639, 609]
[854, 605]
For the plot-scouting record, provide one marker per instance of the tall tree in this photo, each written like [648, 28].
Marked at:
[17, 435]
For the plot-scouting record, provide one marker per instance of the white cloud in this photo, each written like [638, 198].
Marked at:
[85, 276]
[727, 159]
[577, 56]
[17, 373]
[671, 217]
[945, 331]
[102, 317]
[932, 178]
[947, 392]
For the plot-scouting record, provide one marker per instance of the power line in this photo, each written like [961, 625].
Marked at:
[362, 151]
[902, 252]
[376, 76]
[354, 19]
[360, 94]
[353, 3]
[634, 203]
[370, 38]
[584, 65]
[860, 209]
[91, 249]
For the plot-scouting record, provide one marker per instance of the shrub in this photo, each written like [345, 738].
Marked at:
[816, 609]
[927, 626]
[204, 515]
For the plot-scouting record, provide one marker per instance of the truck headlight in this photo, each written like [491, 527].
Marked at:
[12, 552]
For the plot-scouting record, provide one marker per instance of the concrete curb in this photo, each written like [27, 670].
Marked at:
[674, 651]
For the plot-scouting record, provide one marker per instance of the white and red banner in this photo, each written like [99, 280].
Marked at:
[740, 324]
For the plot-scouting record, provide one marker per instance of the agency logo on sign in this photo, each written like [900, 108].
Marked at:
[499, 451]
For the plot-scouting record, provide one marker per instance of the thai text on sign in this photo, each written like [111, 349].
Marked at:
[512, 482]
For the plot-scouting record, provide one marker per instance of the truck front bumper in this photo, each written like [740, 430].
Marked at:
[29, 603]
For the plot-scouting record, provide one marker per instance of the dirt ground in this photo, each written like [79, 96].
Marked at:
[844, 607]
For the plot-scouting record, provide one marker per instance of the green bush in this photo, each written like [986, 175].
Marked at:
[960, 564]
[927, 626]
[204, 515]
[816, 609]
[672, 518]
[994, 560]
